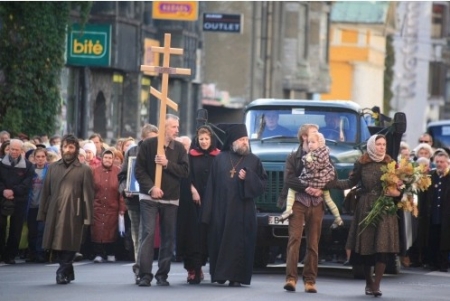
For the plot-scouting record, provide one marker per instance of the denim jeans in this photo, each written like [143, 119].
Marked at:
[167, 223]
[35, 233]
[134, 213]
[311, 217]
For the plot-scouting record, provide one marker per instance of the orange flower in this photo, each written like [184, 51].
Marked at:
[409, 178]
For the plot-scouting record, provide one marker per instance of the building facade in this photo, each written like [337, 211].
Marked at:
[281, 51]
[112, 98]
[422, 58]
[357, 51]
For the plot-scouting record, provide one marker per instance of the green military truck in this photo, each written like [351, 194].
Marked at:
[346, 147]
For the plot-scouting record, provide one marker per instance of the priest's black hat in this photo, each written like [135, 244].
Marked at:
[233, 132]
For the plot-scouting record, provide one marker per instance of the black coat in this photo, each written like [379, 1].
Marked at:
[177, 168]
[17, 178]
[230, 213]
[425, 212]
[191, 244]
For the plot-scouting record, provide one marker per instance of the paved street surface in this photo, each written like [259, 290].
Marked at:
[114, 282]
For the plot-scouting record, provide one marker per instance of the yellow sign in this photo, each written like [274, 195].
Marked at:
[151, 58]
[175, 10]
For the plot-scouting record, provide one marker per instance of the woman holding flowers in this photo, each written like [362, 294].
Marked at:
[372, 244]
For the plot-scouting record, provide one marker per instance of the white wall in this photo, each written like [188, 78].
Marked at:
[412, 44]
[367, 84]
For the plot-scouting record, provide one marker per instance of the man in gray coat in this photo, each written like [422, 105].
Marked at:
[66, 206]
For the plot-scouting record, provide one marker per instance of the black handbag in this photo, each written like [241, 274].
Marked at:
[6, 207]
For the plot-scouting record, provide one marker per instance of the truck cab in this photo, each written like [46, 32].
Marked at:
[346, 142]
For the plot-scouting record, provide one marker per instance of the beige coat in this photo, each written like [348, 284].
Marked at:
[66, 205]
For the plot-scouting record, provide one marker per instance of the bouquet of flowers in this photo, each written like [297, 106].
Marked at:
[408, 178]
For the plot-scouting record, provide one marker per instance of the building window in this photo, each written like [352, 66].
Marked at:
[436, 80]
[439, 20]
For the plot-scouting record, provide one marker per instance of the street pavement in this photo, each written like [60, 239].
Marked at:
[115, 281]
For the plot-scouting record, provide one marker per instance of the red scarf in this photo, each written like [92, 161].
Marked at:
[195, 153]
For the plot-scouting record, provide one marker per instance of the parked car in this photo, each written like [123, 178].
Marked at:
[440, 131]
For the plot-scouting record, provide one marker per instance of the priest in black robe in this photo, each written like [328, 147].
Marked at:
[236, 178]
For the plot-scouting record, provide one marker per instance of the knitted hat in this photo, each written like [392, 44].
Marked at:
[90, 147]
[28, 153]
[82, 152]
[53, 148]
[424, 146]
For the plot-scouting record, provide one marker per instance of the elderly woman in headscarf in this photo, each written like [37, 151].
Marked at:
[375, 245]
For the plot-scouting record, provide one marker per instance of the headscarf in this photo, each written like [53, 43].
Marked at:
[196, 150]
[108, 151]
[372, 150]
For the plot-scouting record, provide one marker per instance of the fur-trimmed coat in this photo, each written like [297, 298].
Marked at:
[384, 238]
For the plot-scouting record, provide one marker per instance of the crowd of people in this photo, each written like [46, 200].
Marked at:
[35, 156]
[79, 198]
[196, 199]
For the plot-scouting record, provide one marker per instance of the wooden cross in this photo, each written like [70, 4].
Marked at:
[162, 96]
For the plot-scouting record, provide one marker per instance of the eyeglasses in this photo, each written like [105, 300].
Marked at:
[424, 141]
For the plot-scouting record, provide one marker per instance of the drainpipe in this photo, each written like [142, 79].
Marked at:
[269, 50]
[253, 51]
[264, 46]
[85, 104]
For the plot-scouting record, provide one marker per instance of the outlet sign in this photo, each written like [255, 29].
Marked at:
[89, 46]
[230, 23]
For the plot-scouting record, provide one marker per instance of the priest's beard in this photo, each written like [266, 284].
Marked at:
[242, 150]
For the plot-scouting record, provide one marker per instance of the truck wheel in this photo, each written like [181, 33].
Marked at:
[358, 271]
[262, 255]
[393, 266]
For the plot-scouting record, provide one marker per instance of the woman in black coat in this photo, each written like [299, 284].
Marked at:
[191, 236]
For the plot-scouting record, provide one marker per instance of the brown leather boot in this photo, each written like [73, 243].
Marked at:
[310, 287]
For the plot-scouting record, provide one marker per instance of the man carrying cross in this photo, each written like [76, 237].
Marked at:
[163, 200]
[236, 177]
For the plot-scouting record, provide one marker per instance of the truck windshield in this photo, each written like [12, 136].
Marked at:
[344, 126]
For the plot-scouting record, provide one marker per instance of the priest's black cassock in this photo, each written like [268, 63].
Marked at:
[230, 214]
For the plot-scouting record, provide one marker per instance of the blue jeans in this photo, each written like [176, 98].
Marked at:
[35, 233]
[134, 213]
[167, 224]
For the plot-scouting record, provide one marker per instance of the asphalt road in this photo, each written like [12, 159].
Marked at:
[114, 282]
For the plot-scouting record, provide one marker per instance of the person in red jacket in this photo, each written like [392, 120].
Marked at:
[108, 205]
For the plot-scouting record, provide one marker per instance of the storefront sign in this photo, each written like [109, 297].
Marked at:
[222, 23]
[89, 46]
[175, 10]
